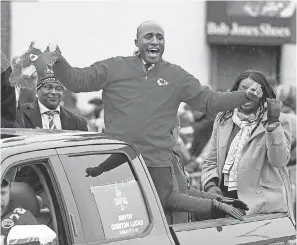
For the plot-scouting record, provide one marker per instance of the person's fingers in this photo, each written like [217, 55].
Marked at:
[237, 211]
[58, 50]
[260, 92]
[236, 214]
[254, 86]
[236, 203]
[52, 47]
[47, 58]
[243, 212]
[88, 172]
[239, 217]
[231, 214]
[256, 90]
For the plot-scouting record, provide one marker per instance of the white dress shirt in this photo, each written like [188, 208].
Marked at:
[151, 67]
[45, 118]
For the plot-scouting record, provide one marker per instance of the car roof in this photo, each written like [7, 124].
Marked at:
[19, 139]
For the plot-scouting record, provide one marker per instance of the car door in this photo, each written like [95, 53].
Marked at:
[263, 229]
[56, 180]
[118, 206]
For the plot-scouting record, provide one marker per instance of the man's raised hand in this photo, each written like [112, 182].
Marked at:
[254, 92]
[51, 55]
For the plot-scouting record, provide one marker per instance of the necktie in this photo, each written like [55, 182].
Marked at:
[147, 66]
[51, 116]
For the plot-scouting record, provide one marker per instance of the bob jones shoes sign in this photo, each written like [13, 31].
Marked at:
[251, 22]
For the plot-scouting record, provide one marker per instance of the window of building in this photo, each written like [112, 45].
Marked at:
[228, 61]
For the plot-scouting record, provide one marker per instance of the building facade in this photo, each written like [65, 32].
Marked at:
[256, 35]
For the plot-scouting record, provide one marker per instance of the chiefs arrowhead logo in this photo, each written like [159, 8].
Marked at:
[162, 82]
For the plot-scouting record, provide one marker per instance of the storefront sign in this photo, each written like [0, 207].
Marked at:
[251, 22]
[122, 209]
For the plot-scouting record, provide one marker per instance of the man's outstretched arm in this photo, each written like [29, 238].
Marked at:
[88, 79]
[110, 163]
[204, 99]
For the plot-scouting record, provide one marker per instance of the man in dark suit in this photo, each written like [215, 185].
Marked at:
[46, 112]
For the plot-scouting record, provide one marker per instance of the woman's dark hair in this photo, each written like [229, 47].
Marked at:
[261, 79]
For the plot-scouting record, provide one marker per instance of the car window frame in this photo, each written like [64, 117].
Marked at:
[135, 174]
[49, 158]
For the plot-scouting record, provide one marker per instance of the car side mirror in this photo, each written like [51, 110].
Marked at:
[31, 235]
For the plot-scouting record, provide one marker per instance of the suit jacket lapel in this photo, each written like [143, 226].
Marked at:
[20, 118]
[67, 122]
[33, 114]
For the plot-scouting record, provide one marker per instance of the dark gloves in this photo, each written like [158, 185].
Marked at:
[236, 203]
[96, 171]
[274, 110]
[222, 209]
[215, 190]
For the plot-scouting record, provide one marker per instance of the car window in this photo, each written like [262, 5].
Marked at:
[29, 191]
[113, 196]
